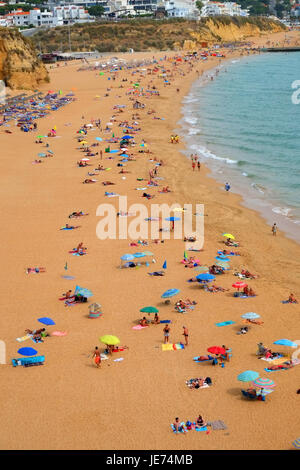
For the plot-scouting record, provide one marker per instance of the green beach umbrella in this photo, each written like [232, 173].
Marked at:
[149, 310]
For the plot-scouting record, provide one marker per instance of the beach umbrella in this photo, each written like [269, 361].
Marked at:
[223, 264]
[27, 351]
[264, 383]
[205, 277]
[127, 137]
[99, 139]
[286, 342]
[83, 291]
[228, 235]
[85, 159]
[296, 443]
[170, 293]
[139, 255]
[250, 315]
[216, 350]
[127, 257]
[165, 265]
[248, 376]
[219, 258]
[46, 321]
[239, 285]
[149, 310]
[50, 151]
[110, 340]
[41, 154]
[172, 219]
[148, 253]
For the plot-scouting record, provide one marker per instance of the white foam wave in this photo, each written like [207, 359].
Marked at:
[282, 210]
[258, 188]
[191, 120]
[207, 154]
[245, 174]
[193, 131]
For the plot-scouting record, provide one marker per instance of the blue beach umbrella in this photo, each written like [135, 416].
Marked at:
[99, 139]
[218, 258]
[127, 257]
[286, 342]
[41, 154]
[170, 293]
[27, 351]
[127, 137]
[205, 277]
[172, 219]
[46, 321]
[250, 315]
[83, 291]
[248, 376]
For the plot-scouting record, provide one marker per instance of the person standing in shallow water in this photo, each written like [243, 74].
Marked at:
[274, 229]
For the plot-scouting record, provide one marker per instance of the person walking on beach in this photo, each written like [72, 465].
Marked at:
[186, 335]
[97, 357]
[193, 165]
[274, 229]
[166, 331]
[199, 165]
[227, 187]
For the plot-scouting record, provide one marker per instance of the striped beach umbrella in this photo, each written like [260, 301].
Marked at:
[296, 443]
[264, 383]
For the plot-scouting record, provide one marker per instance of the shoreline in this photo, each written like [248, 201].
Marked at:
[118, 406]
[264, 207]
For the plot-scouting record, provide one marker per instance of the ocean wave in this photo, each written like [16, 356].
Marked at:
[191, 120]
[207, 154]
[282, 210]
[193, 130]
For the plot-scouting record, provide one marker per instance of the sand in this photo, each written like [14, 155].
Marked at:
[68, 403]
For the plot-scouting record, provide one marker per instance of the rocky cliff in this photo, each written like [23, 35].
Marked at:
[225, 29]
[19, 64]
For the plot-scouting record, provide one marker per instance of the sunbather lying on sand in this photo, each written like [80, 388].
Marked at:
[35, 270]
[107, 183]
[189, 239]
[254, 321]
[74, 215]
[285, 365]
[228, 252]
[37, 334]
[144, 321]
[165, 190]
[216, 269]
[148, 196]
[229, 242]
[243, 330]
[88, 180]
[70, 227]
[157, 273]
[198, 382]
[215, 288]
[245, 273]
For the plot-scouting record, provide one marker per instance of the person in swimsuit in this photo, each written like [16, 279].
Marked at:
[186, 335]
[274, 229]
[156, 320]
[200, 422]
[97, 357]
[166, 331]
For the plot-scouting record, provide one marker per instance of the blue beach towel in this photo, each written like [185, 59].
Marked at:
[224, 323]
[204, 428]
[165, 321]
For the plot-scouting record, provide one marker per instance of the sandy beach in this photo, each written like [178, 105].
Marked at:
[68, 403]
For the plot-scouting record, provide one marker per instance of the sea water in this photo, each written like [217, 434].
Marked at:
[244, 125]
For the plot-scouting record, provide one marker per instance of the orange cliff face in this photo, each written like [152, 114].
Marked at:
[19, 65]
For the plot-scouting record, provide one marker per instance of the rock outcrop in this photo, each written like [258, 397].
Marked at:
[19, 64]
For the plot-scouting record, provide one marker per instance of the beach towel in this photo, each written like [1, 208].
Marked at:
[23, 338]
[203, 428]
[68, 277]
[58, 333]
[182, 430]
[217, 425]
[196, 359]
[178, 346]
[273, 359]
[138, 327]
[78, 254]
[165, 321]
[119, 359]
[36, 340]
[224, 323]
[288, 302]
[103, 357]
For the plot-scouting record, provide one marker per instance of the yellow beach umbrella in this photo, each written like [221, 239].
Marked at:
[83, 142]
[228, 235]
[110, 340]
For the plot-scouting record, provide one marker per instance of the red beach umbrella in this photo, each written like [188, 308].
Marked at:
[239, 285]
[216, 350]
